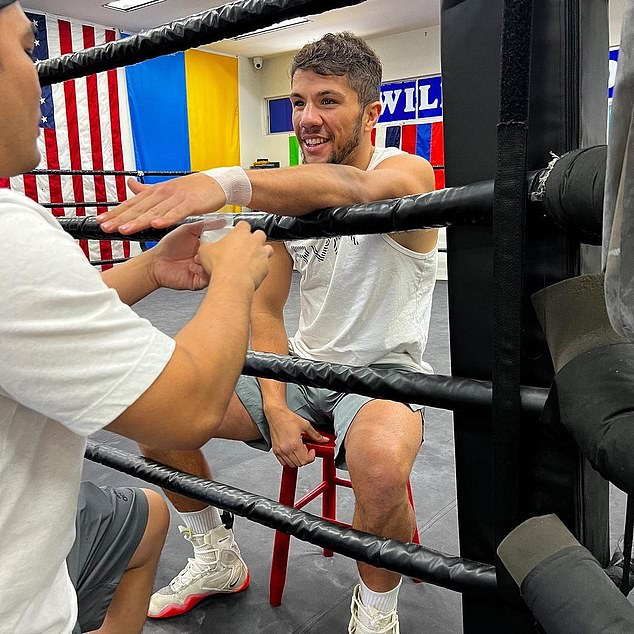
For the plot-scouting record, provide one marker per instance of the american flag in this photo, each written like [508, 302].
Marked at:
[423, 139]
[85, 125]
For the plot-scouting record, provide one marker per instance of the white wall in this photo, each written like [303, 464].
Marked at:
[616, 9]
[404, 55]
[272, 80]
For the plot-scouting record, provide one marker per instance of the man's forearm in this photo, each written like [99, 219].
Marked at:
[216, 341]
[188, 400]
[269, 335]
[132, 279]
[295, 191]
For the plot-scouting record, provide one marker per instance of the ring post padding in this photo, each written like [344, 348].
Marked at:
[573, 193]
[407, 559]
[224, 22]
[561, 582]
[509, 211]
[567, 110]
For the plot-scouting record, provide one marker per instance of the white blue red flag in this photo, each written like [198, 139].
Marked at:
[423, 139]
[85, 125]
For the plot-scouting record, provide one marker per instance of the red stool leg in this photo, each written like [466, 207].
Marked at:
[329, 499]
[415, 539]
[282, 540]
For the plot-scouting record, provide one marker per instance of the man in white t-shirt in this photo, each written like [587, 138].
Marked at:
[365, 300]
[74, 359]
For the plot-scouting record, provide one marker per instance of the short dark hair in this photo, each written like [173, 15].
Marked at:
[343, 54]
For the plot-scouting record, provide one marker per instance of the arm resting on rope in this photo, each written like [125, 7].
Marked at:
[292, 191]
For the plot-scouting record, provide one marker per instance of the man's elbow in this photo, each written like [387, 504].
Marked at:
[185, 431]
[198, 430]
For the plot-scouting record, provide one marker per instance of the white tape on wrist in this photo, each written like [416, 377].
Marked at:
[234, 182]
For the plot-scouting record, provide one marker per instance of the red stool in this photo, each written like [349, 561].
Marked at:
[328, 489]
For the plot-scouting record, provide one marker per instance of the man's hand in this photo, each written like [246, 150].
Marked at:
[173, 261]
[287, 429]
[240, 255]
[163, 204]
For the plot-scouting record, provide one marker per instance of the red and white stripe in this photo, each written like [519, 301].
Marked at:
[92, 132]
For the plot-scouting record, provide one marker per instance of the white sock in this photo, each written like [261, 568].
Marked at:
[383, 601]
[202, 522]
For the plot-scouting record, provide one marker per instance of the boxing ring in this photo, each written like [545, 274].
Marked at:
[512, 218]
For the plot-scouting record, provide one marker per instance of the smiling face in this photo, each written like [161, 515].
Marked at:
[19, 94]
[330, 124]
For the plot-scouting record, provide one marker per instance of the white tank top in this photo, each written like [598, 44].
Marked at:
[364, 300]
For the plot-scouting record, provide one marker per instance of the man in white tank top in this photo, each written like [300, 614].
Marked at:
[365, 300]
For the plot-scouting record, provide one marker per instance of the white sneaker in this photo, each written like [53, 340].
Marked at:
[368, 620]
[217, 568]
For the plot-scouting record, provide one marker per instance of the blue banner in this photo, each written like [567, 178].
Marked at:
[158, 110]
[614, 58]
[415, 99]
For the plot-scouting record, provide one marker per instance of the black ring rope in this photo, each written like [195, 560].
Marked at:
[90, 203]
[550, 192]
[104, 262]
[217, 24]
[453, 573]
[469, 205]
[137, 173]
[404, 386]
[87, 228]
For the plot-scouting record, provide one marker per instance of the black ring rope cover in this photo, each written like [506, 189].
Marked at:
[224, 22]
[404, 386]
[454, 573]
[105, 262]
[90, 203]
[566, 192]
[469, 205]
[509, 212]
[137, 173]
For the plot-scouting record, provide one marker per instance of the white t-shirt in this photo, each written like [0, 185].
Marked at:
[72, 358]
[364, 299]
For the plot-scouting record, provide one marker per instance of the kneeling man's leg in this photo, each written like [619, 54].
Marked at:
[217, 566]
[119, 536]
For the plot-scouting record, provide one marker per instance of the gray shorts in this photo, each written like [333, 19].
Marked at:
[109, 526]
[323, 408]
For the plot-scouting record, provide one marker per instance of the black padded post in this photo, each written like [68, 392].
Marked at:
[567, 110]
[561, 582]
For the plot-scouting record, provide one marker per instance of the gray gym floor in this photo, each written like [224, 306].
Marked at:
[318, 589]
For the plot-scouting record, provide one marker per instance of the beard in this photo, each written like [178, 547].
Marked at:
[341, 155]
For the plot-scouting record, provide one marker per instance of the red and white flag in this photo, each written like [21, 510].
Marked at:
[85, 125]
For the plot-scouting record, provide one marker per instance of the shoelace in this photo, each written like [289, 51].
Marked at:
[189, 572]
[380, 623]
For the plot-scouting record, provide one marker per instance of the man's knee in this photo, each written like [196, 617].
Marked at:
[158, 512]
[379, 476]
[158, 522]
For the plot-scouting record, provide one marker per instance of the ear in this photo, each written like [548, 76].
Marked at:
[372, 114]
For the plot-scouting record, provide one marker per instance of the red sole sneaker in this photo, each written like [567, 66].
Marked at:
[170, 611]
